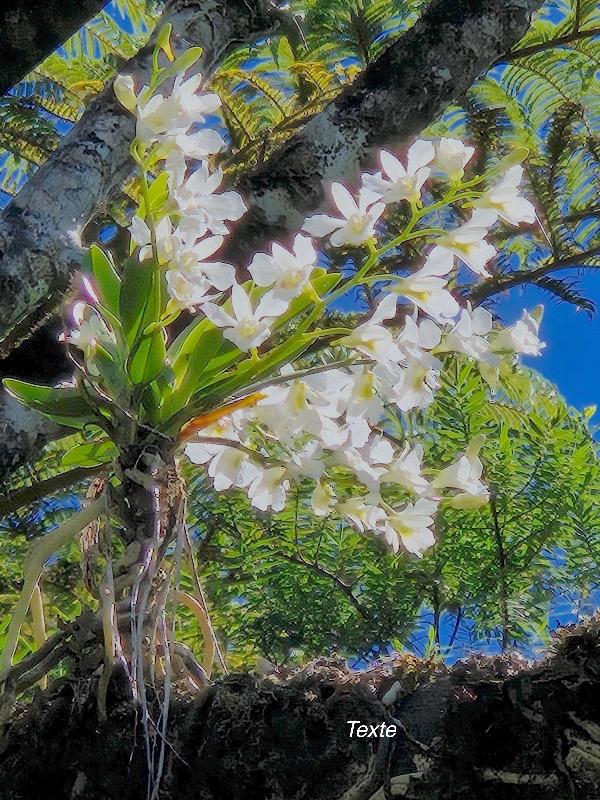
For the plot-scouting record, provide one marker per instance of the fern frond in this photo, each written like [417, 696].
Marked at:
[565, 290]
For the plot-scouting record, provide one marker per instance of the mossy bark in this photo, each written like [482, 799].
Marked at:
[490, 729]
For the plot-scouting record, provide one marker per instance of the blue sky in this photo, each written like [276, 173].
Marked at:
[571, 359]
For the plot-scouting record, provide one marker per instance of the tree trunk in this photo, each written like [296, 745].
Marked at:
[23, 434]
[404, 90]
[31, 31]
[490, 729]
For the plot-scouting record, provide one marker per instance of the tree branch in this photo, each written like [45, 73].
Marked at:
[503, 283]
[23, 433]
[30, 494]
[339, 583]
[30, 30]
[501, 555]
[405, 89]
[540, 48]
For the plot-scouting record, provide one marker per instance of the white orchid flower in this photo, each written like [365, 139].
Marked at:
[158, 115]
[469, 244]
[306, 461]
[468, 336]
[91, 331]
[361, 397]
[288, 272]
[373, 339]
[406, 470]
[412, 526]
[195, 197]
[268, 489]
[356, 226]
[322, 499]
[426, 288]
[140, 233]
[230, 427]
[246, 328]
[368, 462]
[452, 156]
[232, 467]
[364, 513]
[198, 145]
[189, 257]
[402, 183]
[415, 341]
[296, 409]
[416, 387]
[465, 474]
[522, 337]
[186, 293]
[504, 200]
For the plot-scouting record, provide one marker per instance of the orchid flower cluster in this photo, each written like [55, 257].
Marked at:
[284, 417]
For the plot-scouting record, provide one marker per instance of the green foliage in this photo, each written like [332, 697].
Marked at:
[291, 586]
[66, 406]
[106, 279]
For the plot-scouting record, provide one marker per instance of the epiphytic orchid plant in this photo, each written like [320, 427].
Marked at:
[255, 388]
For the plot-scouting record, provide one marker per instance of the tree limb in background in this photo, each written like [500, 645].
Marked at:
[510, 280]
[398, 95]
[31, 31]
[23, 433]
[37, 491]
[40, 230]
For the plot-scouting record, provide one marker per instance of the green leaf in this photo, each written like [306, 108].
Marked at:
[140, 301]
[194, 359]
[90, 454]
[108, 283]
[113, 374]
[148, 358]
[66, 406]
[158, 192]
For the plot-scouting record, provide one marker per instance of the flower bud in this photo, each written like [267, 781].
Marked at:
[467, 502]
[163, 41]
[186, 60]
[515, 156]
[123, 87]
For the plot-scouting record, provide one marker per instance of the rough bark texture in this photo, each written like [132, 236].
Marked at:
[489, 729]
[31, 31]
[40, 230]
[403, 91]
[23, 433]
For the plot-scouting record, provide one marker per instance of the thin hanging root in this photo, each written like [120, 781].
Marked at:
[113, 649]
[39, 623]
[39, 552]
[199, 594]
[194, 606]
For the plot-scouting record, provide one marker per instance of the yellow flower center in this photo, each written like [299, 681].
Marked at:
[292, 279]
[249, 328]
[356, 223]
